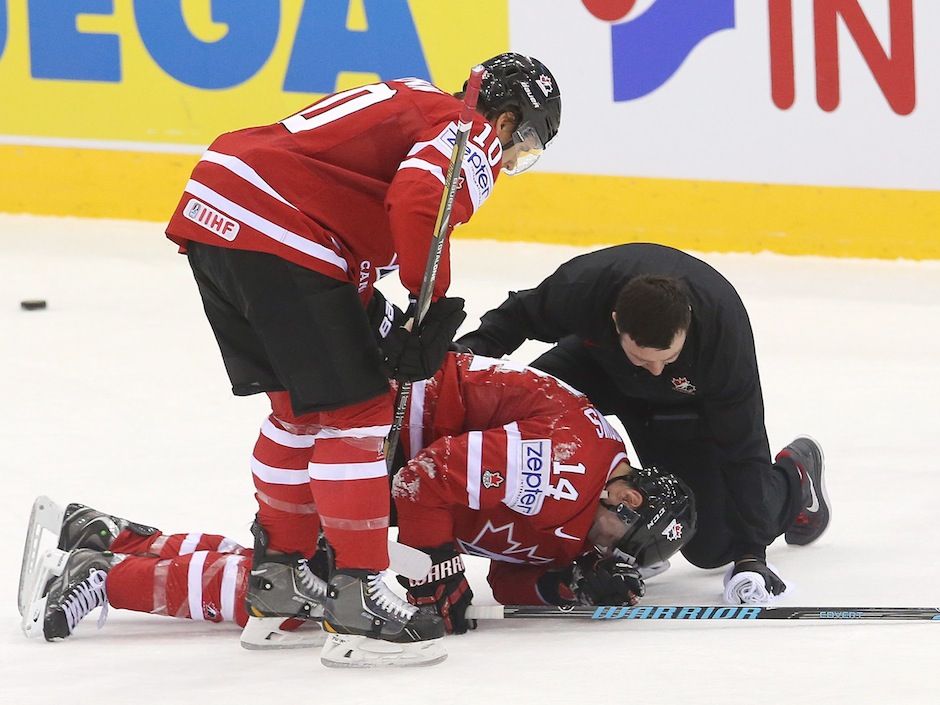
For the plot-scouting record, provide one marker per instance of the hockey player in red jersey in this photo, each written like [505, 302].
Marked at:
[287, 227]
[512, 466]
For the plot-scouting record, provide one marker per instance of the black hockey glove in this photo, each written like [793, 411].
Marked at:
[593, 580]
[384, 316]
[752, 581]
[444, 590]
[414, 355]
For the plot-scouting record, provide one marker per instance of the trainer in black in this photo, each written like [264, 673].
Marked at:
[84, 527]
[79, 590]
[369, 625]
[807, 456]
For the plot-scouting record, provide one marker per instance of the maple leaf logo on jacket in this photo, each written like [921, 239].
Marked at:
[492, 479]
[682, 384]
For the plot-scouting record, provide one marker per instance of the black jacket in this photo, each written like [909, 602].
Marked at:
[716, 370]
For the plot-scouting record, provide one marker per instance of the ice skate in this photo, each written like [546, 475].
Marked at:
[807, 455]
[282, 585]
[369, 625]
[262, 633]
[76, 592]
[84, 527]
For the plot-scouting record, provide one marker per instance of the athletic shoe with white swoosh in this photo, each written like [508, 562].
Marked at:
[807, 455]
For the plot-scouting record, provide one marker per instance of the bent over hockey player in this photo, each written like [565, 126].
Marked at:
[286, 228]
[542, 489]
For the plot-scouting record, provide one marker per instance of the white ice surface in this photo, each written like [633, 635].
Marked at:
[116, 397]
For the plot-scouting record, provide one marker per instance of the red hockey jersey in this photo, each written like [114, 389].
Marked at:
[349, 186]
[512, 469]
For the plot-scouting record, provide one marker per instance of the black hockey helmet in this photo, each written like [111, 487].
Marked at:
[524, 85]
[662, 525]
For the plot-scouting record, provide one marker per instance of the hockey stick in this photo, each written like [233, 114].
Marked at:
[464, 123]
[704, 612]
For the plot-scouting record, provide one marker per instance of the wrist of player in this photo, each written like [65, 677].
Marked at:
[412, 355]
[444, 590]
[750, 580]
[593, 580]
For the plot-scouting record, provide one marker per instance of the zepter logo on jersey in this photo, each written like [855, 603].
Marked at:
[477, 164]
[529, 476]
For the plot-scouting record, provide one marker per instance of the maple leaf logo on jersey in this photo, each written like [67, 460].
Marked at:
[545, 83]
[492, 479]
[682, 384]
[673, 532]
[497, 544]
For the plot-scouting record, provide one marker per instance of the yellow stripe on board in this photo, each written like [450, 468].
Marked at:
[712, 216]
[92, 183]
[552, 208]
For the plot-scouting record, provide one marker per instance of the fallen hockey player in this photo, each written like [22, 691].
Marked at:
[513, 466]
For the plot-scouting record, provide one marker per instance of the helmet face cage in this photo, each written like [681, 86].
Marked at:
[663, 524]
[521, 84]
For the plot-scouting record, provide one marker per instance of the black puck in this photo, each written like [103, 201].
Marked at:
[33, 304]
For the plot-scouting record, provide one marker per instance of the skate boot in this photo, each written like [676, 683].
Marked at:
[369, 625]
[76, 592]
[282, 585]
[807, 456]
[284, 600]
[84, 527]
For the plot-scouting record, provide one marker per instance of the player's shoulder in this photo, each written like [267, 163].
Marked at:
[425, 94]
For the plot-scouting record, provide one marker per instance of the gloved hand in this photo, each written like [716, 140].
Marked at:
[593, 580]
[752, 581]
[384, 316]
[445, 589]
[412, 355]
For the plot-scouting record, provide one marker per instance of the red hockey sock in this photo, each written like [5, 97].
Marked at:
[349, 479]
[170, 545]
[285, 505]
[205, 585]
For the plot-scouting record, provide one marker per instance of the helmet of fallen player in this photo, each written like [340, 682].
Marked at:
[656, 529]
[522, 85]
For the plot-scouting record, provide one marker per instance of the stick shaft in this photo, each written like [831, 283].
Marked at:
[704, 612]
[464, 123]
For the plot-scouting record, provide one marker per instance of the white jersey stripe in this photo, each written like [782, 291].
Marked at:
[278, 476]
[285, 438]
[194, 585]
[339, 472]
[265, 226]
[358, 432]
[416, 418]
[240, 168]
[415, 163]
[189, 544]
[227, 545]
[229, 583]
[474, 468]
[619, 458]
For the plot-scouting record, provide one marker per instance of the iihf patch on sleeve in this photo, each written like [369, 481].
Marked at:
[210, 219]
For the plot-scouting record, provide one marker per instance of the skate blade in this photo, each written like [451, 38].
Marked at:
[46, 517]
[49, 565]
[264, 633]
[353, 651]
